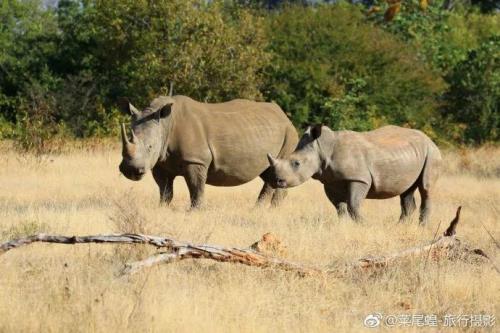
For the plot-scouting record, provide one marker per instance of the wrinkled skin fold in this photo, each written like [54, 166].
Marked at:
[383, 163]
[221, 144]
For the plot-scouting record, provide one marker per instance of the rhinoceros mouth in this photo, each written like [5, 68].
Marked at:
[132, 173]
[279, 184]
[134, 176]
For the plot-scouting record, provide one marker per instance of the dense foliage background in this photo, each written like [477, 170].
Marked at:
[432, 65]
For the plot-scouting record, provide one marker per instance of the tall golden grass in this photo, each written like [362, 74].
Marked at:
[53, 288]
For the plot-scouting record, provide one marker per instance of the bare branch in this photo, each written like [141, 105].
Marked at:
[261, 254]
[59, 239]
[453, 225]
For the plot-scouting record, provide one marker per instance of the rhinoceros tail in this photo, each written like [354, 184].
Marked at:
[290, 142]
[432, 166]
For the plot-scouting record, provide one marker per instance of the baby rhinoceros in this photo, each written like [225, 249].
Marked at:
[218, 144]
[383, 163]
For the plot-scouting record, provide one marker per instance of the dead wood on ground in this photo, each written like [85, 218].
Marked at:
[262, 253]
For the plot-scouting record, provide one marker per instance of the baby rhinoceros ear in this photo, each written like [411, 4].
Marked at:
[316, 131]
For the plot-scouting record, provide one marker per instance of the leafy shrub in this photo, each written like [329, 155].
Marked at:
[86, 53]
[27, 41]
[474, 94]
[37, 127]
[208, 50]
[62, 68]
[329, 65]
[441, 37]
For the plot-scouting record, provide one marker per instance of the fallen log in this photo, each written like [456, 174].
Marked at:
[445, 247]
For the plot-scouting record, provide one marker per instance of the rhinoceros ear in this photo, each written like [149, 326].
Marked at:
[127, 107]
[165, 110]
[316, 131]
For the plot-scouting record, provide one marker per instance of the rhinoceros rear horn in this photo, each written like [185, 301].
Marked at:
[134, 137]
[171, 92]
[271, 159]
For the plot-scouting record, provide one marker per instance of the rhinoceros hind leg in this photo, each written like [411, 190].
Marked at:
[430, 174]
[196, 176]
[407, 204]
[425, 206]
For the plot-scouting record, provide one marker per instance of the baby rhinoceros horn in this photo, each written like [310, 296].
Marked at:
[272, 160]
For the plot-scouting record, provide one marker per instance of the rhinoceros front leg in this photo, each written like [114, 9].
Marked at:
[357, 192]
[278, 196]
[196, 177]
[336, 195]
[165, 183]
[266, 192]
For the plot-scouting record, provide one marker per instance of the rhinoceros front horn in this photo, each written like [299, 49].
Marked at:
[125, 141]
[128, 147]
[272, 160]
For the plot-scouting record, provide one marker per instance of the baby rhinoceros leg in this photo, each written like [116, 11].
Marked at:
[265, 194]
[278, 196]
[337, 196]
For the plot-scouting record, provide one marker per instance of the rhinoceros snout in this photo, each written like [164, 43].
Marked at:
[132, 173]
[281, 183]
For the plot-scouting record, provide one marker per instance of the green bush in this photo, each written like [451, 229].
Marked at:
[441, 37]
[28, 35]
[62, 68]
[329, 65]
[36, 124]
[209, 51]
[86, 53]
[474, 94]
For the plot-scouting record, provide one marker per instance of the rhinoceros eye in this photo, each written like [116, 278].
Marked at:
[295, 164]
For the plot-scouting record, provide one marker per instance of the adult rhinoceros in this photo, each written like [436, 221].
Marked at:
[379, 164]
[218, 144]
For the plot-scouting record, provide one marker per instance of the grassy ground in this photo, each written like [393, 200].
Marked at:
[75, 288]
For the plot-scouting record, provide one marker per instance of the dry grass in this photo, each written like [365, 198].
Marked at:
[75, 288]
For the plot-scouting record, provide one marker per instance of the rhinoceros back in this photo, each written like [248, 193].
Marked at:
[397, 157]
[232, 138]
[390, 158]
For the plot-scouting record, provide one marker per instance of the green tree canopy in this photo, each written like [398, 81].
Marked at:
[330, 65]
